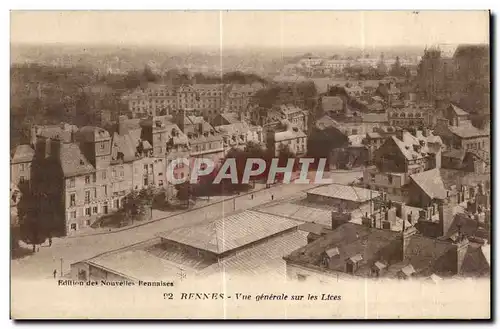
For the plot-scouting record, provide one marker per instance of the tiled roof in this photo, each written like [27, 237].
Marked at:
[73, 162]
[23, 153]
[345, 192]
[431, 183]
[231, 231]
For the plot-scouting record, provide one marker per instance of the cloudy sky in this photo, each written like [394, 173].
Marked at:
[251, 28]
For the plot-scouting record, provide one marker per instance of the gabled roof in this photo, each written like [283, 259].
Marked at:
[467, 131]
[364, 244]
[458, 111]
[23, 153]
[431, 183]
[230, 232]
[126, 145]
[408, 270]
[230, 117]
[73, 162]
[332, 252]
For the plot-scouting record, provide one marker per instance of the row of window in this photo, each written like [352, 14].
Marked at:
[410, 115]
[475, 145]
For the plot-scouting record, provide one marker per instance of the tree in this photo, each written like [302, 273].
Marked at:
[137, 204]
[32, 228]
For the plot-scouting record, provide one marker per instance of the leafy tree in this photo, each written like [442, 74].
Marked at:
[32, 229]
[137, 204]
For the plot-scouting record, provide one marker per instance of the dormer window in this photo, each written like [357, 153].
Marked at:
[352, 263]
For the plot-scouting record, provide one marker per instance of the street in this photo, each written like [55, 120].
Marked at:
[73, 249]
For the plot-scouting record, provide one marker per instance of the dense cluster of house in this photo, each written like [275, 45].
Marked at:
[85, 173]
[421, 208]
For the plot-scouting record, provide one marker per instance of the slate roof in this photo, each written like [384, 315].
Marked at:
[332, 103]
[431, 182]
[345, 192]
[476, 262]
[458, 110]
[124, 144]
[365, 244]
[73, 162]
[230, 232]
[467, 131]
[230, 117]
[288, 134]
[23, 153]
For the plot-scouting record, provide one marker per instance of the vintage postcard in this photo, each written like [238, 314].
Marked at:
[250, 165]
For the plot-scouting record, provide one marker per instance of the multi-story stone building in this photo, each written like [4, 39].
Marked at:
[292, 137]
[410, 116]
[399, 157]
[457, 132]
[20, 164]
[153, 100]
[239, 97]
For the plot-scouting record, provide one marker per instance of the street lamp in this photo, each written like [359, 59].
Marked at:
[61, 273]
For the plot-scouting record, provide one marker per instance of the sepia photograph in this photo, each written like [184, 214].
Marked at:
[224, 164]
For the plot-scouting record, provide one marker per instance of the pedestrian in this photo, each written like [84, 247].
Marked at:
[37, 248]
[252, 196]
[55, 273]
[272, 196]
[50, 241]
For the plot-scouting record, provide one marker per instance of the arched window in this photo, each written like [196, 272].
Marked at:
[402, 115]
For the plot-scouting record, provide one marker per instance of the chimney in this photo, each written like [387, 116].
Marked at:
[399, 134]
[33, 135]
[406, 237]
[462, 244]
[445, 211]
[121, 125]
[55, 148]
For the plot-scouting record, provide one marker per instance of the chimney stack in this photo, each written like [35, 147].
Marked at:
[462, 244]
[445, 217]
[121, 125]
[406, 237]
